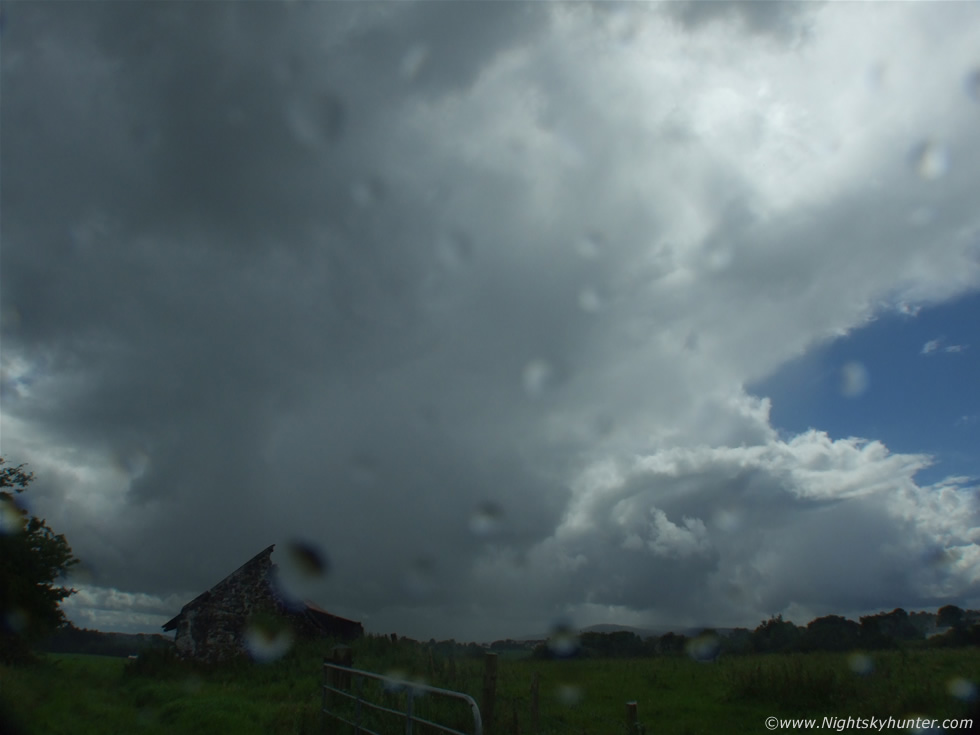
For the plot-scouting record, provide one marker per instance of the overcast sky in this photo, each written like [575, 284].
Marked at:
[518, 312]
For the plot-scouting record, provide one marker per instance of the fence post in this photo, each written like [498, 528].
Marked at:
[535, 685]
[330, 677]
[489, 691]
[631, 719]
[342, 656]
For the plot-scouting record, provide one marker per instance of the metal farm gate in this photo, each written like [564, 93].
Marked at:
[337, 679]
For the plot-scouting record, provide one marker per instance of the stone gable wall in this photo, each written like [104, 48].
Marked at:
[212, 626]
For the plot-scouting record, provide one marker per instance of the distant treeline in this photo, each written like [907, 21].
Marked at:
[70, 639]
[950, 626]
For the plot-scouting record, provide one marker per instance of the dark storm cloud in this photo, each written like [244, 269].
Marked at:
[783, 21]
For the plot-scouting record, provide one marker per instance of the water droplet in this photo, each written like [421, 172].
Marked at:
[134, 464]
[455, 249]
[300, 571]
[929, 160]
[12, 516]
[568, 694]
[972, 84]
[419, 578]
[306, 559]
[537, 377]
[591, 245]
[363, 469]
[413, 61]
[563, 641]
[589, 300]
[10, 318]
[603, 425]
[17, 619]
[704, 648]
[922, 216]
[861, 663]
[81, 573]
[486, 519]
[317, 120]
[961, 688]
[393, 687]
[854, 379]
[727, 520]
[368, 193]
[267, 639]
[936, 556]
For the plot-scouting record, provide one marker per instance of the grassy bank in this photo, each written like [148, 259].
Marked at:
[92, 694]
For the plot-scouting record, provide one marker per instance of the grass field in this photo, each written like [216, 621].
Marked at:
[675, 696]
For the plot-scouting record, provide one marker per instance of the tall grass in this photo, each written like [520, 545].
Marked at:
[160, 694]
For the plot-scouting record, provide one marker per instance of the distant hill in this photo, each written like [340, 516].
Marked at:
[81, 640]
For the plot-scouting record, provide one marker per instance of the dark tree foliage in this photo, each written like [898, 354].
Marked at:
[671, 643]
[618, 644]
[949, 616]
[32, 559]
[776, 635]
[886, 630]
[831, 633]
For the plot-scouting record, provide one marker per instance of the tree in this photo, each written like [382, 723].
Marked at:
[776, 635]
[831, 633]
[32, 559]
[949, 616]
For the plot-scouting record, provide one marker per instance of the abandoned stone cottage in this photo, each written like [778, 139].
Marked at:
[213, 626]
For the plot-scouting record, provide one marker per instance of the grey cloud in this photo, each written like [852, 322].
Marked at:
[317, 272]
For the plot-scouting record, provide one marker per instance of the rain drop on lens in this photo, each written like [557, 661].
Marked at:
[537, 376]
[12, 518]
[972, 84]
[455, 249]
[368, 193]
[486, 519]
[962, 689]
[307, 560]
[300, 571]
[563, 641]
[419, 579]
[413, 61]
[928, 159]
[590, 246]
[589, 300]
[266, 642]
[861, 663]
[704, 648]
[569, 694]
[854, 379]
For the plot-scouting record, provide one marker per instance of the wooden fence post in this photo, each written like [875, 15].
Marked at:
[535, 686]
[489, 691]
[631, 718]
[328, 680]
[342, 656]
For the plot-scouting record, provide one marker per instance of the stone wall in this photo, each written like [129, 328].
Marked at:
[211, 627]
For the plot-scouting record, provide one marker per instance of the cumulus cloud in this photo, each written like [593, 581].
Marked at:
[352, 274]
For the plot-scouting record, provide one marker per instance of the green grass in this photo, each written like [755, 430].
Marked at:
[676, 696]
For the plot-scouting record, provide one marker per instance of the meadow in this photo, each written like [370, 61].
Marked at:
[675, 695]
